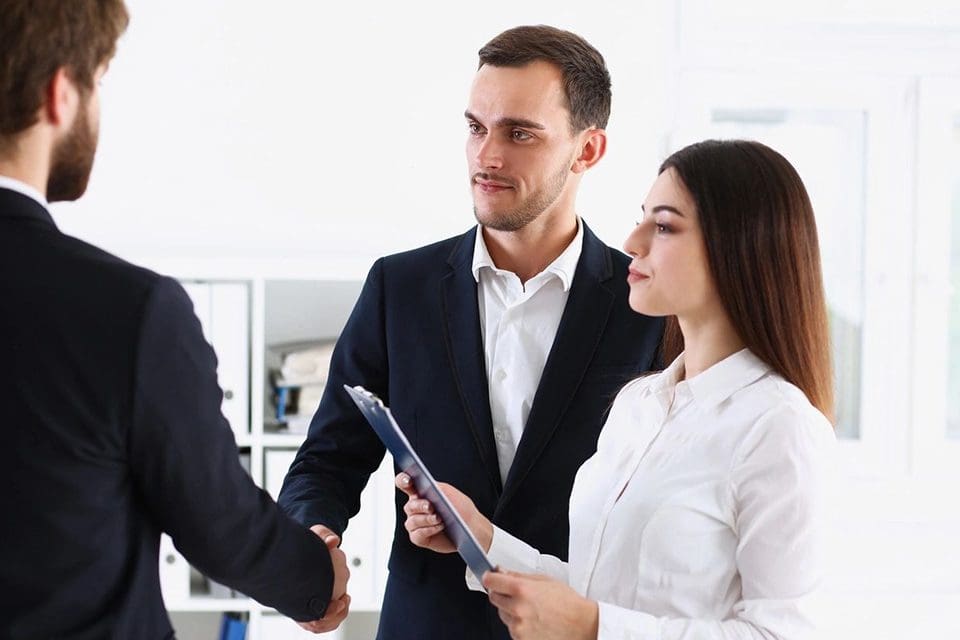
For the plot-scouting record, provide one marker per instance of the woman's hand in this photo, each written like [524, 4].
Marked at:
[424, 525]
[540, 608]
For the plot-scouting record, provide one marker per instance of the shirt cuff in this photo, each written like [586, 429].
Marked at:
[508, 553]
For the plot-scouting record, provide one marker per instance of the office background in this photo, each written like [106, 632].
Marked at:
[286, 146]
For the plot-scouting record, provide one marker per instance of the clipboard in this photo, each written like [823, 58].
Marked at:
[383, 423]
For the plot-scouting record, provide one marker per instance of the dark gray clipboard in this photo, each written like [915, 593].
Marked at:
[383, 423]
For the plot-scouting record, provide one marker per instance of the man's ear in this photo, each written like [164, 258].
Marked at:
[593, 145]
[62, 99]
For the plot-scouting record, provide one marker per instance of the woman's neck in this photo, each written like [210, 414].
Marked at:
[707, 341]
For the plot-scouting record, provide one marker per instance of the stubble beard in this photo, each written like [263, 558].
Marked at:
[528, 210]
[72, 159]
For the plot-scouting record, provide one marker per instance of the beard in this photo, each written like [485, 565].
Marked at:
[72, 159]
[528, 210]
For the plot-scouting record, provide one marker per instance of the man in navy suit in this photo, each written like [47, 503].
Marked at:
[500, 350]
[109, 406]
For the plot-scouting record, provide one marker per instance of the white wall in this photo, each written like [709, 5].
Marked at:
[334, 131]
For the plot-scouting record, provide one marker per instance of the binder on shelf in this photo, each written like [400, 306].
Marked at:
[276, 463]
[232, 627]
[174, 573]
[230, 329]
[223, 309]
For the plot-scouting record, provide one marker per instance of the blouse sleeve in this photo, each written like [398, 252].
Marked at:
[513, 554]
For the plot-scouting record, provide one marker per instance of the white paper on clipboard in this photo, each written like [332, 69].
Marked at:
[383, 423]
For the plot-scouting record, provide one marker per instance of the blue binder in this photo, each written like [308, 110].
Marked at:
[232, 627]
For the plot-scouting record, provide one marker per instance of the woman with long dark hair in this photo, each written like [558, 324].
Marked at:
[700, 514]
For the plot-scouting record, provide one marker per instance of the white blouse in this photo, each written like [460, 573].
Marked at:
[701, 514]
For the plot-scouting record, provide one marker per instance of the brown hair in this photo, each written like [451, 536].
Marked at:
[586, 81]
[761, 239]
[38, 37]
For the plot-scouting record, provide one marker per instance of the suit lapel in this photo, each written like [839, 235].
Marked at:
[461, 317]
[578, 335]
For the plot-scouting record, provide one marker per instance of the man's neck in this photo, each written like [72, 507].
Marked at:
[31, 173]
[14, 181]
[530, 250]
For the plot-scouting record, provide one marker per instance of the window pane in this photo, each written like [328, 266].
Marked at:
[828, 149]
[953, 362]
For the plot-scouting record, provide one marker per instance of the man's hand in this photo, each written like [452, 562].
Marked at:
[424, 525]
[339, 605]
[341, 573]
[329, 538]
[336, 613]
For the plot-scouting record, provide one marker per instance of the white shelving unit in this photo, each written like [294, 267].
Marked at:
[245, 314]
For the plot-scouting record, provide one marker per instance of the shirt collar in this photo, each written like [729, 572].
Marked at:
[564, 266]
[711, 387]
[23, 188]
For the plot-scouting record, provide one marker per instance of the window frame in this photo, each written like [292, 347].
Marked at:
[935, 454]
[888, 102]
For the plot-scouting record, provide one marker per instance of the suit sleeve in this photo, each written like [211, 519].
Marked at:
[341, 450]
[185, 464]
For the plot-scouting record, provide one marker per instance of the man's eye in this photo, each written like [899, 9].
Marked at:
[517, 134]
[474, 128]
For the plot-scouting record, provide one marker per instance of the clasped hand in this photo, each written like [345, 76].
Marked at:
[339, 605]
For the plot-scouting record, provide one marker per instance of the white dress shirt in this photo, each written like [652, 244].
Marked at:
[13, 184]
[701, 513]
[518, 322]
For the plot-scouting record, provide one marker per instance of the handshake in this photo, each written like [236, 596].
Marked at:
[339, 605]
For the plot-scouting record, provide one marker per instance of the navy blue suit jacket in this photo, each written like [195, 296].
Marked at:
[111, 432]
[414, 339]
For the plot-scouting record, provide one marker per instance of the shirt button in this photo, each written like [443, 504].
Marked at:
[501, 375]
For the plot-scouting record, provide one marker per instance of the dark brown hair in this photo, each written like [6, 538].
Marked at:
[38, 37]
[762, 247]
[586, 81]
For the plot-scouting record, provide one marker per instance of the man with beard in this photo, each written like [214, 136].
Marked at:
[109, 404]
[499, 350]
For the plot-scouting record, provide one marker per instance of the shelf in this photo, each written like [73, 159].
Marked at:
[244, 439]
[201, 603]
[283, 439]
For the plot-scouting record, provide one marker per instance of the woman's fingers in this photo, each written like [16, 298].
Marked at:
[423, 537]
[417, 522]
[403, 482]
[416, 506]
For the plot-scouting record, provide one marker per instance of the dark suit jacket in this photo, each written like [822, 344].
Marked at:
[111, 433]
[414, 339]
